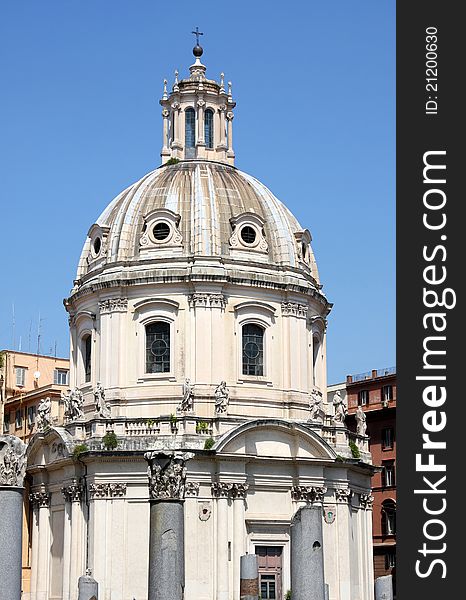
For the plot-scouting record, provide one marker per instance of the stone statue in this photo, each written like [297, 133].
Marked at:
[361, 426]
[167, 474]
[340, 409]
[186, 404]
[73, 401]
[102, 408]
[12, 461]
[44, 417]
[222, 396]
[315, 406]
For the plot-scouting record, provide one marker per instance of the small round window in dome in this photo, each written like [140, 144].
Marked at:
[161, 231]
[248, 234]
[159, 347]
[251, 350]
[97, 245]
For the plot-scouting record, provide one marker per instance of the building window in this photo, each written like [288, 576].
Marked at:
[6, 422]
[388, 436]
[158, 347]
[20, 376]
[87, 356]
[31, 412]
[390, 560]
[388, 474]
[387, 393]
[209, 128]
[60, 376]
[315, 356]
[19, 418]
[363, 397]
[253, 350]
[190, 128]
[388, 517]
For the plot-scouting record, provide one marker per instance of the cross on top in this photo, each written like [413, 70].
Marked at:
[197, 33]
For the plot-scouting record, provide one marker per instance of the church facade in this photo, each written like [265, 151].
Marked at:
[197, 325]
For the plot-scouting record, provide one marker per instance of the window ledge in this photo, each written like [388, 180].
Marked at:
[254, 379]
[156, 377]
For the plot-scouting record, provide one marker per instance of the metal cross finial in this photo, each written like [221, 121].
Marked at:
[197, 33]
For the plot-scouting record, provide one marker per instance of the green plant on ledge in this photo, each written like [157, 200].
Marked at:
[150, 423]
[354, 449]
[79, 449]
[202, 427]
[173, 421]
[209, 443]
[110, 441]
[288, 595]
[172, 161]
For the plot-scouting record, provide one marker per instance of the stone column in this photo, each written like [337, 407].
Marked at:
[73, 494]
[221, 137]
[221, 491]
[249, 574]
[238, 494]
[66, 552]
[41, 499]
[165, 149]
[230, 152]
[12, 470]
[167, 479]
[200, 122]
[384, 588]
[307, 560]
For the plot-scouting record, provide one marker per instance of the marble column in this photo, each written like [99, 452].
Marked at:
[12, 470]
[167, 479]
[222, 491]
[238, 494]
[73, 494]
[307, 560]
[230, 152]
[41, 499]
[11, 520]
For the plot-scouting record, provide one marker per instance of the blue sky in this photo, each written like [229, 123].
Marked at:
[315, 121]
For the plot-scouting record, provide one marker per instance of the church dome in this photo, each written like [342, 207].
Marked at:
[198, 208]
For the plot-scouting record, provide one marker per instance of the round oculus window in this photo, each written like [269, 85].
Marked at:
[159, 347]
[251, 350]
[161, 231]
[248, 234]
[97, 245]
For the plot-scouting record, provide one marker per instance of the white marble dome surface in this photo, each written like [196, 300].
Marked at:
[202, 200]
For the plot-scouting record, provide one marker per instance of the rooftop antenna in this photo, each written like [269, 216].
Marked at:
[29, 336]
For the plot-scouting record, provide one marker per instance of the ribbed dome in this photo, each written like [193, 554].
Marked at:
[206, 198]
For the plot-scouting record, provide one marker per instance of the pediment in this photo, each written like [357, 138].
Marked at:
[275, 438]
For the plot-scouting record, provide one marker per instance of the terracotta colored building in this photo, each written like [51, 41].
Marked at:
[375, 392]
[26, 379]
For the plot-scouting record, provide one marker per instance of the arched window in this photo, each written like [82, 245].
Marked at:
[158, 347]
[86, 351]
[253, 349]
[190, 128]
[209, 128]
[389, 517]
